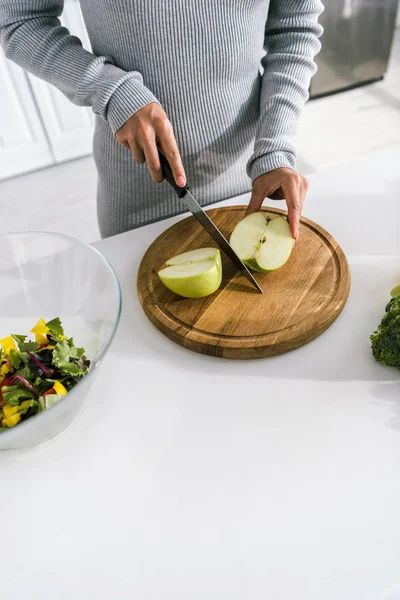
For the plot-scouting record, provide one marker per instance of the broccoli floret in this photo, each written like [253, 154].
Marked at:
[386, 340]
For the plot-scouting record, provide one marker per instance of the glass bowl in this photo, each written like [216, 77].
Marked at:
[47, 275]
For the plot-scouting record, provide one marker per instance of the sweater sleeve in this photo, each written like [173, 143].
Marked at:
[291, 42]
[32, 36]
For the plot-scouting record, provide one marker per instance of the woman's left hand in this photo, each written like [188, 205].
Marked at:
[281, 184]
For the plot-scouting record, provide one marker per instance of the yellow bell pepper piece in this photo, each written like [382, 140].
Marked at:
[4, 369]
[40, 331]
[8, 344]
[12, 421]
[60, 389]
[25, 403]
[9, 411]
[40, 338]
[40, 327]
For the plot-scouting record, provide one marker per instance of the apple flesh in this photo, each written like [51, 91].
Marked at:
[193, 274]
[263, 244]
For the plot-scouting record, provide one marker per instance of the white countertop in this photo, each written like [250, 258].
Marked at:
[188, 477]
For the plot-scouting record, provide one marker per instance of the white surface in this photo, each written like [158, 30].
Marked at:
[191, 477]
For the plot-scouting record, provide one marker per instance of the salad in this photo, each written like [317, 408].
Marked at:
[34, 375]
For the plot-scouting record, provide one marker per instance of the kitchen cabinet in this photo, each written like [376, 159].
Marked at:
[23, 142]
[69, 127]
[39, 126]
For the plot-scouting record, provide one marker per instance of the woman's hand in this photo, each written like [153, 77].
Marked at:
[142, 131]
[281, 184]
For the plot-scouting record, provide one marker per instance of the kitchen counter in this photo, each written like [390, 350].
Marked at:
[188, 477]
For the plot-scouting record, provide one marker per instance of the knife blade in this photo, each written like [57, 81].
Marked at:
[194, 207]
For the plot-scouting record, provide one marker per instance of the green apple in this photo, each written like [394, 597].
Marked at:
[262, 243]
[193, 274]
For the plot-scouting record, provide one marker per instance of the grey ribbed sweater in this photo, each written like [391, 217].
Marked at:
[201, 60]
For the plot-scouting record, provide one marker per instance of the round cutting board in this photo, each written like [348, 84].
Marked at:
[299, 301]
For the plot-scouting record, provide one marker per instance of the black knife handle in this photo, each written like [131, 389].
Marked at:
[168, 175]
[277, 195]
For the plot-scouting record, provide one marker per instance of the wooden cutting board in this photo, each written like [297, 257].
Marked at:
[300, 300]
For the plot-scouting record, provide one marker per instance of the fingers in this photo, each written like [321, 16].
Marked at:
[145, 151]
[152, 158]
[142, 132]
[144, 139]
[137, 152]
[254, 204]
[258, 196]
[282, 183]
[169, 146]
[294, 205]
[295, 192]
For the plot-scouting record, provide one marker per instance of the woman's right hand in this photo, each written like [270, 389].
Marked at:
[142, 132]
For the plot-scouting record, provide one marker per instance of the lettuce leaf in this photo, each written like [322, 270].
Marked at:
[25, 346]
[62, 354]
[18, 360]
[20, 339]
[77, 353]
[49, 400]
[44, 385]
[15, 359]
[14, 395]
[55, 329]
[26, 373]
[32, 404]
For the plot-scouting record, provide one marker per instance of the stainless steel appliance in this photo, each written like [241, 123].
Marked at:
[356, 44]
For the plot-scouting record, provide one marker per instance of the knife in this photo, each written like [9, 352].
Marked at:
[194, 207]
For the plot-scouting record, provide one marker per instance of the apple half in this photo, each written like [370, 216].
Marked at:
[193, 274]
[263, 244]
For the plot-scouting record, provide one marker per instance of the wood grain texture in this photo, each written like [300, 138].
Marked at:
[300, 300]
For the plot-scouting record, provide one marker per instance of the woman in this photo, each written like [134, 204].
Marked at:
[184, 74]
